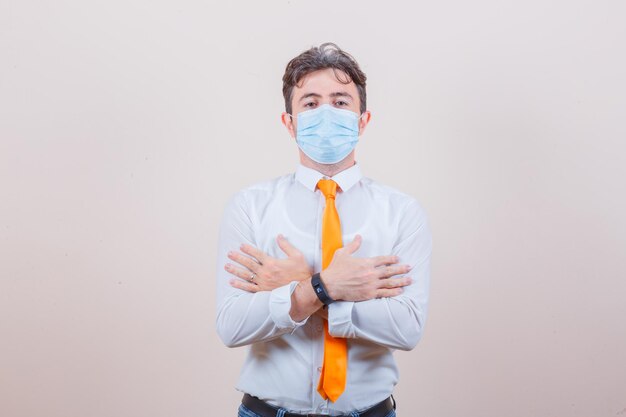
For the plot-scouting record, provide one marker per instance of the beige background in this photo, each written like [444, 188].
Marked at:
[125, 126]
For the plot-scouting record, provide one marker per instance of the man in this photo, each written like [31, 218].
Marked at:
[321, 317]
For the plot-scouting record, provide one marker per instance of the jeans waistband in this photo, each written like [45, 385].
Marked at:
[264, 409]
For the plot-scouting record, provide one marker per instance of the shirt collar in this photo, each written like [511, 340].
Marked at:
[345, 179]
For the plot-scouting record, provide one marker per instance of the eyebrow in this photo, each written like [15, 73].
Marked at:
[333, 95]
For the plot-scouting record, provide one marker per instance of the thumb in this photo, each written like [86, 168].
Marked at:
[286, 247]
[353, 246]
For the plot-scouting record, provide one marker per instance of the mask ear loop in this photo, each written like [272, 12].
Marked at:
[291, 116]
[359, 119]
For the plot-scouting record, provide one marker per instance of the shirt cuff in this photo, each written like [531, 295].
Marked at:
[280, 305]
[340, 319]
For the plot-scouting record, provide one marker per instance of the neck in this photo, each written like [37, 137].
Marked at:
[329, 170]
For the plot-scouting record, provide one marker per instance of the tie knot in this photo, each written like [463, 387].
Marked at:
[328, 188]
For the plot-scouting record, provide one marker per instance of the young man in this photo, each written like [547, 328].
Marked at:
[320, 292]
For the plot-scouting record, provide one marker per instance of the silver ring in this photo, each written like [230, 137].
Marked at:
[252, 277]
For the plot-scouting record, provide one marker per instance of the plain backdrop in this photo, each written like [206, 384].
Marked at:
[126, 125]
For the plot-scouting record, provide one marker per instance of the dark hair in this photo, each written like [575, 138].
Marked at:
[327, 55]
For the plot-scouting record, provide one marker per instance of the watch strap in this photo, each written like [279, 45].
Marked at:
[320, 290]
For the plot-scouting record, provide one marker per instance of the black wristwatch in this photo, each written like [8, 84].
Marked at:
[320, 290]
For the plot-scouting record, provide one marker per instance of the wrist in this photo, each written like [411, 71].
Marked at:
[304, 302]
[331, 289]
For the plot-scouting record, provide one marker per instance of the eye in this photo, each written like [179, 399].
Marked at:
[310, 104]
[341, 103]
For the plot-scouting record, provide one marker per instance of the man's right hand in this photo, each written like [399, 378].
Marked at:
[348, 278]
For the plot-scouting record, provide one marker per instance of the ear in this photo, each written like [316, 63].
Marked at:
[364, 120]
[287, 120]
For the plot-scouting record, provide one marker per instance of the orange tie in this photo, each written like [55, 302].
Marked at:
[333, 377]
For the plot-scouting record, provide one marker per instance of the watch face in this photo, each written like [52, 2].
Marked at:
[316, 282]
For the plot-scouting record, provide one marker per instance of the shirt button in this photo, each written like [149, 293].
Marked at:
[319, 328]
[319, 369]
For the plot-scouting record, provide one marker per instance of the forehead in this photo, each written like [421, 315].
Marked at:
[325, 82]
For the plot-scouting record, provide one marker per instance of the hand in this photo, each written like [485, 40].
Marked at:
[358, 279]
[264, 273]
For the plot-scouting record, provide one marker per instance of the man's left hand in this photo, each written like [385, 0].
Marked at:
[261, 272]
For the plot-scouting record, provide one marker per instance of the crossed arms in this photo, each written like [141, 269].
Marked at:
[376, 301]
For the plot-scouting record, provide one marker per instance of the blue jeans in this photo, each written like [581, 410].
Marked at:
[245, 412]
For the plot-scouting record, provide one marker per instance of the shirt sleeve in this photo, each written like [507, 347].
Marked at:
[395, 322]
[244, 318]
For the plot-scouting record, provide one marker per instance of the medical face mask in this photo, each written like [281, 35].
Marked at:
[327, 134]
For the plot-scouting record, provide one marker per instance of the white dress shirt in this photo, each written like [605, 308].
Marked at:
[285, 357]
